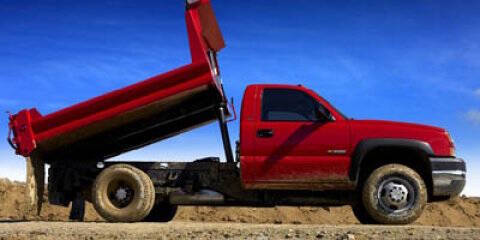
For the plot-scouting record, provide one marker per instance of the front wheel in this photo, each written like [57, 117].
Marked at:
[393, 194]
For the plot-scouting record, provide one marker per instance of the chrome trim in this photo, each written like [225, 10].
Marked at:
[450, 172]
[448, 176]
[337, 151]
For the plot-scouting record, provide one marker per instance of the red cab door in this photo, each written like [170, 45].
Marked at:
[299, 143]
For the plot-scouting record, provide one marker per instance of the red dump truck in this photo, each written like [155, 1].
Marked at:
[295, 148]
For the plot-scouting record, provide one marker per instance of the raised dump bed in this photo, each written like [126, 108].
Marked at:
[134, 116]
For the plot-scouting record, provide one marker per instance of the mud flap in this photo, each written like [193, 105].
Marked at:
[35, 185]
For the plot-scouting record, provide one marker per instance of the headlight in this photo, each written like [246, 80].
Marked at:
[452, 151]
[452, 143]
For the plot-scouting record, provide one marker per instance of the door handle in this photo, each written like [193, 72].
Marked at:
[265, 133]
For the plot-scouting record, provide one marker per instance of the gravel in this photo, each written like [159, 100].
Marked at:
[192, 230]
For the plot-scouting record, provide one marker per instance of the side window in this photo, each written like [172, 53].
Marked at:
[288, 105]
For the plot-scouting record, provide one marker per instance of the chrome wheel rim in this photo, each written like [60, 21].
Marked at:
[396, 195]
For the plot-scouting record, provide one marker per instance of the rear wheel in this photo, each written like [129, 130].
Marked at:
[393, 194]
[123, 193]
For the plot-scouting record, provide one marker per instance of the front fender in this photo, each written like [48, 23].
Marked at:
[367, 145]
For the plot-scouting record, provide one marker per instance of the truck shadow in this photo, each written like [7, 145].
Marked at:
[12, 221]
[289, 144]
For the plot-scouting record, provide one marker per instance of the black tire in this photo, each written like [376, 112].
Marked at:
[361, 214]
[123, 193]
[162, 212]
[394, 194]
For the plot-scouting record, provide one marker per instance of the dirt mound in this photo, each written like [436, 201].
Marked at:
[463, 212]
[13, 205]
[459, 212]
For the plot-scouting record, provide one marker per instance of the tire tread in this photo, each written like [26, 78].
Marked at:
[105, 177]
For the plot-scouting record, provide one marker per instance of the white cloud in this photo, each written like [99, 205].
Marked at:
[471, 157]
[473, 116]
[473, 179]
[13, 172]
[477, 92]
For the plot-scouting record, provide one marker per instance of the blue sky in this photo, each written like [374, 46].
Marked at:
[414, 61]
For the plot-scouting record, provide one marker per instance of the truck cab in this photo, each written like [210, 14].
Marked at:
[291, 138]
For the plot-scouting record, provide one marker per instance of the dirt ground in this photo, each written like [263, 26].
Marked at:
[232, 222]
[194, 230]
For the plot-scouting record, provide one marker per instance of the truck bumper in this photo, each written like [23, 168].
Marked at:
[448, 176]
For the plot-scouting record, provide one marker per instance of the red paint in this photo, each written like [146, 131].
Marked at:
[436, 137]
[298, 152]
[127, 99]
[23, 136]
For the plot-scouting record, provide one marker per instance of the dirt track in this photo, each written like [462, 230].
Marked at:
[190, 230]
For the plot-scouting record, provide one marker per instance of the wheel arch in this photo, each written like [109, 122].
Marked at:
[372, 153]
